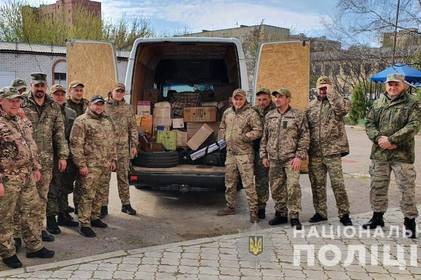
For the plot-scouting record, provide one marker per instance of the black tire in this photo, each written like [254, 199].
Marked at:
[156, 159]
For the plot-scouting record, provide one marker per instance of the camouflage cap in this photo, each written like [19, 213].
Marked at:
[97, 99]
[119, 86]
[19, 84]
[239, 91]
[395, 77]
[57, 87]
[323, 81]
[74, 84]
[263, 91]
[281, 91]
[10, 93]
[38, 78]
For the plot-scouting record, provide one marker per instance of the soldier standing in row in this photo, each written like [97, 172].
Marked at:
[62, 183]
[92, 144]
[48, 132]
[283, 147]
[20, 85]
[19, 171]
[126, 139]
[79, 104]
[392, 123]
[328, 143]
[239, 127]
[264, 104]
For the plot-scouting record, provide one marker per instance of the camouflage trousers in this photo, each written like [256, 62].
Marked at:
[42, 187]
[122, 182]
[93, 188]
[20, 193]
[318, 169]
[61, 186]
[261, 174]
[379, 185]
[285, 188]
[240, 166]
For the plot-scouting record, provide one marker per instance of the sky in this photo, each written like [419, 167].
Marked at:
[168, 17]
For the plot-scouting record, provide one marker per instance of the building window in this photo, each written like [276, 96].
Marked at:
[60, 78]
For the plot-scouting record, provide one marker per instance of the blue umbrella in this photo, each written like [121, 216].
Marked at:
[412, 75]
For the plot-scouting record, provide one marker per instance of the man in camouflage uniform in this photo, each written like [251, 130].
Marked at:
[92, 143]
[20, 85]
[62, 183]
[392, 123]
[19, 171]
[240, 126]
[79, 104]
[264, 104]
[283, 146]
[127, 140]
[328, 143]
[48, 132]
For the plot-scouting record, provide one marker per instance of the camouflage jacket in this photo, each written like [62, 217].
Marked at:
[239, 129]
[125, 125]
[79, 108]
[17, 148]
[285, 136]
[92, 140]
[398, 119]
[47, 128]
[327, 127]
[262, 113]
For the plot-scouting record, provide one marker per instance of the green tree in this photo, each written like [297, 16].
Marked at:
[359, 104]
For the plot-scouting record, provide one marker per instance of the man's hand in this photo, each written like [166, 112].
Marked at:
[133, 152]
[1, 189]
[385, 144]
[265, 162]
[36, 174]
[296, 164]
[62, 164]
[113, 166]
[83, 171]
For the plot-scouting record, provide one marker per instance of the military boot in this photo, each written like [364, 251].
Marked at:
[346, 220]
[18, 243]
[254, 217]
[226, 211]
[296, 223]
[87, 232]
[261, 213]
[410, 228]
[278, 219]
[128, 209]
[104, 211]
[98, 223]
[64, 219]
[375, 221]
[52, 226]
[317, 218]
[12, 262]
[46, 236]
[43, 253]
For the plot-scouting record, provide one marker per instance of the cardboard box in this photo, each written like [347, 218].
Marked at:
[168, 139]
[178, 123]
[181, 138]
[199, 114]
[151, 95]
[143, 108]
[162, 114]
[192, 128]
[145, 123]
[199, 137]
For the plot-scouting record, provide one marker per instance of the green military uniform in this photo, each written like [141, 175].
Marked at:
[126, 137]
[260, 172]
[285, 137]
[18, 160]
[328, 143]
[399, 119]
[240, 128]
[92, 144]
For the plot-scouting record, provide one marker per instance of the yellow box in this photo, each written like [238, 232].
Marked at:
[168, 139]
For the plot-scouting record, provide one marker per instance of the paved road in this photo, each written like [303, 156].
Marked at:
[166, 217]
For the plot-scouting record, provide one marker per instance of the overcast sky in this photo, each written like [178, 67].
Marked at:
[175, 16]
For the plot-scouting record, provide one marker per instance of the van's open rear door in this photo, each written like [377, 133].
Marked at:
[94, 64]
[285, 65]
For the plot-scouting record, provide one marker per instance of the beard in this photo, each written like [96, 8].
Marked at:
[39, 94]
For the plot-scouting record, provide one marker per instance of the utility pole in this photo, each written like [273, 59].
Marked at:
[395, 34]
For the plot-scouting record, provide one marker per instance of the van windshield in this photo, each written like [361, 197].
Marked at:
[183, 87]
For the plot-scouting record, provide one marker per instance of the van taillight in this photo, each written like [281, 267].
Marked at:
[133, 178]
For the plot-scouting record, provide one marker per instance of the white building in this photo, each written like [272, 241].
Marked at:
[19, 60]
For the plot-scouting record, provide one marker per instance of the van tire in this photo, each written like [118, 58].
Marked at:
[156, 159]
